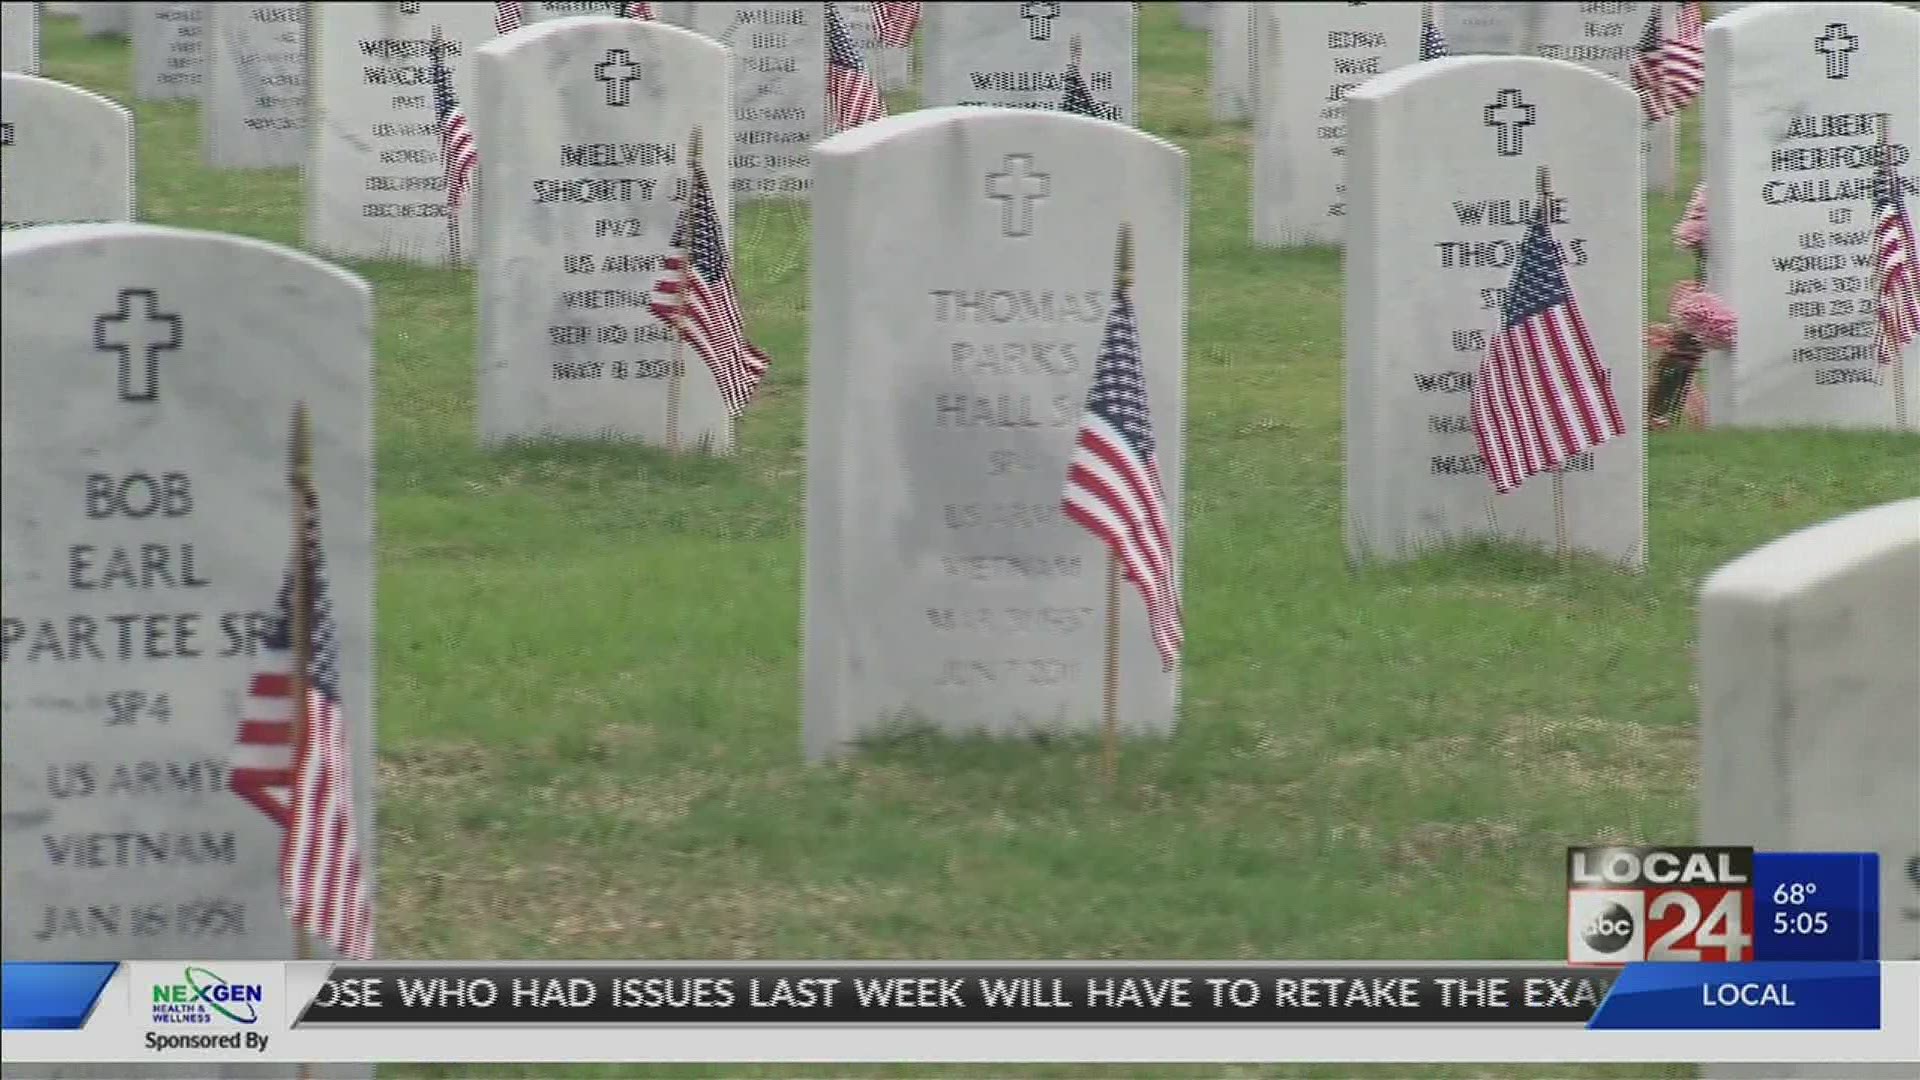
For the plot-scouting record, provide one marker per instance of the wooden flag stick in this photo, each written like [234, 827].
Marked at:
[1073, 51]
[1562, 548]
[300, 628]
[1898, 359]
[1110, 703]
[677, 373]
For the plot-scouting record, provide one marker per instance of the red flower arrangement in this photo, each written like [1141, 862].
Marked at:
[1698, 321]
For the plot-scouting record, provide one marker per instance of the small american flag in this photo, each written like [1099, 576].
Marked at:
[506, 18]
[855, 96]
[698, 300]
[1541, 396]
[1079, 99]
[1433, 45]
[1113, 479]
[894, 24]
[641, 11]
[307, 789]
[1669, 71]
[458, 157]
[1896, 262]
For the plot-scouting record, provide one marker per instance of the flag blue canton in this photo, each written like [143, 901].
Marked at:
[1433, 46]
[698, 232]
[1539, 280]
[1119, 394]
[443, 100]
[324, 674]
[840, 50]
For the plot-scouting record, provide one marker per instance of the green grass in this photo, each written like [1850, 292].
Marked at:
[589, 727]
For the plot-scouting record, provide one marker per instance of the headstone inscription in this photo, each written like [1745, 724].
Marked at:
[1015, 55]
[542, 10]
[106, 20]
[892, 66]
[1796, 98]
[66, 154]
[1444, 162]
[1488, 28]
[254, 109]
[1820, 754]
[152, 374]
[375, 185]
[20, 37]
[1318, 53]
[1606, 37]
[169, 51]
[593, 119]
[64, 11]
[1232, 65]
[779, 91]
[944, 587]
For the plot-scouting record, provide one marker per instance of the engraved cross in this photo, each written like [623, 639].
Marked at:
[1512, 116]
[1017, 189]
[6, 134]
[618, 70]
[149, 334]
[1835, 45]
[1040, 18]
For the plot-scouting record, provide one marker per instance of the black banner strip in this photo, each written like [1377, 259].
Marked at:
[947, 993]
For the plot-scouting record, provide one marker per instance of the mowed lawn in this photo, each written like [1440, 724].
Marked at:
[589, 681]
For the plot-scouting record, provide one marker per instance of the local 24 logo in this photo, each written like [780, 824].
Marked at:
[1685, 904]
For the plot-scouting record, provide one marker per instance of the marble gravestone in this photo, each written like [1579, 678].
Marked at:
[779, 56]
[374, 184]
[152, 374]
[893, 67]
[253, 114]
[106, 20]
[1015, 55]
[1444, 159]
[66, 154]
[1197, 16]
[1489, 28]
[594, 118]
[542, 10]
[951, 365]
[169, 51]
[1232, 65]
[1820, 755]
[65, 11]
[1317, 53]
[1606, 38]
[20, 37]
[1794, 99]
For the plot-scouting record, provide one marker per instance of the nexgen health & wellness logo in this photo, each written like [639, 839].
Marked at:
[202, 996]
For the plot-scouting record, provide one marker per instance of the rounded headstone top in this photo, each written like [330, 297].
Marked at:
[18, 242]
[536, 32]
[1837, 11]
[21, 78]
[950, 117]
[1381, 86]
[1803, 560]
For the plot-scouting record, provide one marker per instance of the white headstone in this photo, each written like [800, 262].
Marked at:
[169, 51]
[1232, 65]
[151, 378]
[951, 365]
[253, 112]
[594, 118]
[20, 37]
[374, 184]
[1016, 54]
[1809, 739]
[779, 92]
[892, 66]
[1487, 28]
[66, 154]
[1444, 161]
[1794, 97]
[105, 20]
[1312, 55]
[1606, 38]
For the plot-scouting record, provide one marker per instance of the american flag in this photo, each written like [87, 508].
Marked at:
[307, 789]
[1433, 45]
[458, 157]
[506, 18]
[1896, 262]
[698, 300]
[1079, 99]
[1669, 71]
[1541, 396]
[855, 96]
[640, 11]
[894, 24]
[1113, 479]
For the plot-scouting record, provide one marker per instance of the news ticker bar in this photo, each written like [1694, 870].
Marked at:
[193, 998]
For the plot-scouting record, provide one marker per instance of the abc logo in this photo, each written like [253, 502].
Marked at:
[1609, 929]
